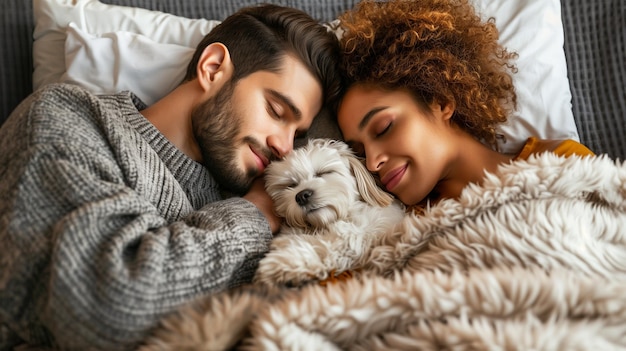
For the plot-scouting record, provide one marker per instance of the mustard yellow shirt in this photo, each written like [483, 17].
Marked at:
[565, 147]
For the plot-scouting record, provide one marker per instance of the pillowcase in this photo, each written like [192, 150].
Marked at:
[533, 28]
[117, 61]
[135, 44]
[52, 18]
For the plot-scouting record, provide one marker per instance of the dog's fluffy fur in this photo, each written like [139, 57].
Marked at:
[333, 213]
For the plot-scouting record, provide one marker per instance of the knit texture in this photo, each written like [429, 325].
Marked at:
[106, 226]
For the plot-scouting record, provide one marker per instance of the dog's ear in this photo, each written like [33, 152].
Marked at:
[367, 187]
[369, 190]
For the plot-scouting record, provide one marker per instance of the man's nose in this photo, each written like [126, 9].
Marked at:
[281, 145]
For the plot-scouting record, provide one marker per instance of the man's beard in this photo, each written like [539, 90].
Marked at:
[216, 127]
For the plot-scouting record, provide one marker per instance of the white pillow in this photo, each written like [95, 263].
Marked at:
[533, 28]
[120, 60]
[52, 17]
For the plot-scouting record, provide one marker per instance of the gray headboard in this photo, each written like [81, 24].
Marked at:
[595, 49]
[595, 39]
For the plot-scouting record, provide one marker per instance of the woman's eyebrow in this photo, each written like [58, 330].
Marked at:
[287, 101]
[369, 116]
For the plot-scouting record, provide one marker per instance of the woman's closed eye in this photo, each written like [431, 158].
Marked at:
[382, 128]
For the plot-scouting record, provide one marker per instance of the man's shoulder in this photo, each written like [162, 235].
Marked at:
[71, 96]
[52, 107]
[62, 95]
[71, 104]
[66, 114]
[53, 88]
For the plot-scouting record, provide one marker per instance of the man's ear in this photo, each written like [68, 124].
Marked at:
[214, 67]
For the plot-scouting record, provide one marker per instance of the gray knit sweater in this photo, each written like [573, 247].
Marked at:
[105, 226]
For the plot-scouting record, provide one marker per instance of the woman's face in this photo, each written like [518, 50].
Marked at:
[409, 147]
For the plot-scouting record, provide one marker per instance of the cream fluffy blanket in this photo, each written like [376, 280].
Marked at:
[533, 259]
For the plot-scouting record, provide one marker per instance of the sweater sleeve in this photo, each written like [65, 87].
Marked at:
[116, 266]
[99, 264]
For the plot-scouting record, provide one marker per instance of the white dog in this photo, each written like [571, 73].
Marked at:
[333, 213]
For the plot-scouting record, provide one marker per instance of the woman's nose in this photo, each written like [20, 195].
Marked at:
[374, 160]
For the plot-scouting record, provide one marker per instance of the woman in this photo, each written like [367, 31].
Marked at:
[428, 84]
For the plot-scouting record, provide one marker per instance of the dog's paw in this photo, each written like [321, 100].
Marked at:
[276, 269]
[294, 265]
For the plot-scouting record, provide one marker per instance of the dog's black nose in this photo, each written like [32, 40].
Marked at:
[302, 198]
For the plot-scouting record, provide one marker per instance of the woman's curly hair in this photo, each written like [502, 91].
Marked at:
[440, 50]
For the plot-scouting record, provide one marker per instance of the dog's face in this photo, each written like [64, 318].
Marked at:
[316, 184]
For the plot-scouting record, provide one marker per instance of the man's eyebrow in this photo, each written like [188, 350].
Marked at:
[369, 116]
[287, 101]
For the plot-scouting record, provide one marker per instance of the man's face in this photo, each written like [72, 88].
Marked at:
[248, 124]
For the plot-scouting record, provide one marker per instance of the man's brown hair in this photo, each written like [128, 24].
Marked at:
[259, 37]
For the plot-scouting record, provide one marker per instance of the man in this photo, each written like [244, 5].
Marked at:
[110, 212]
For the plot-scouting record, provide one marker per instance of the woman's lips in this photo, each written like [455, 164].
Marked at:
[394, 177]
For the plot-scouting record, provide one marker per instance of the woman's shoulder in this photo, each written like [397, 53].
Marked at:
[561, 147]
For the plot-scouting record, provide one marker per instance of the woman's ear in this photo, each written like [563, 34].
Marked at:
[214, 67]
[445, 110]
